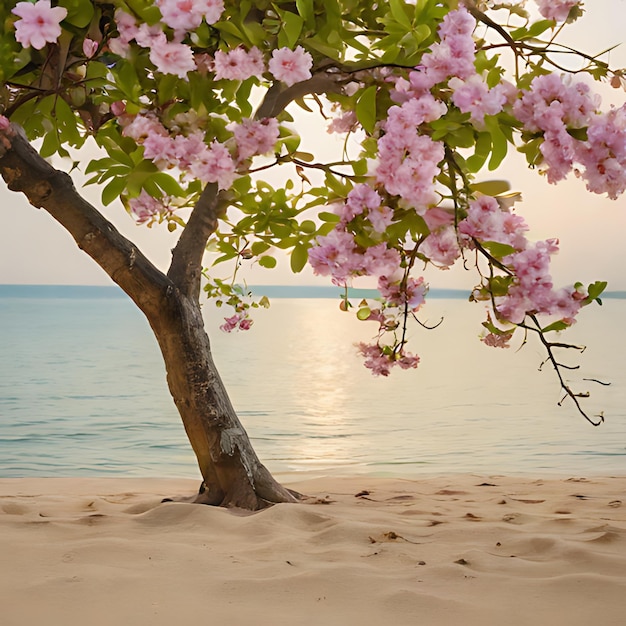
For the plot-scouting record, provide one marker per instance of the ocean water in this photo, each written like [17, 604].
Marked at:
[83, 393]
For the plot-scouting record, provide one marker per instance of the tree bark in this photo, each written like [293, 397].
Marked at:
[231, 471]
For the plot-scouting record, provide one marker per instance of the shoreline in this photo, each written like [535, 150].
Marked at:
[476, 549]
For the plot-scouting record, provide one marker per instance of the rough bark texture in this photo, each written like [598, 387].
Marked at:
[232, 473]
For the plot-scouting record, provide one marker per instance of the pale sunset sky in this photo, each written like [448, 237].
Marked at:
[36, 250]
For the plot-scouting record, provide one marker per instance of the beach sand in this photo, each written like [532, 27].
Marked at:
[436, 551]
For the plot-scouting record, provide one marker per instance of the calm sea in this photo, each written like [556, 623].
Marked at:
[83, 393]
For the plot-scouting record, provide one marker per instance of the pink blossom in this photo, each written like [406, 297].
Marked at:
[398, 293]
[380, 218]
[215, 165]
[238, 64]
[552, 102]
[90, 47]
[145, 207]
[126, 25]
[239, 321]
[437, 217]
[360, 198]
[150, 36]
[557, 10]
[500, 340]
[375, 359]
[336, 255]
[380, 362]
[344, 123]
[441, 247]
[604, 153]
[172, 58]
[408, 164]
[532, 291]
[558, 151]
[189, 149]
[40, 23]
[454, 54]
[255, 137]
[381, 261]
[291, 66]
[457, 23]
[142, 126]
[187, 15]
[474, 96]
[487, 221]
[161, 149]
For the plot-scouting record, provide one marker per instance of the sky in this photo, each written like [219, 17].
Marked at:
[591, 229]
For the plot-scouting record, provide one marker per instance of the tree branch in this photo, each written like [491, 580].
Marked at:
[186, 268]
[24, 170]
[278, 97]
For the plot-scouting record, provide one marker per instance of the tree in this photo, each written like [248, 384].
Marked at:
[189, 104]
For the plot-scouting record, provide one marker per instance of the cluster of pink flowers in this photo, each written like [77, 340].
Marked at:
[238, 64]
[486, 221]
[604, 153]
[338, 256]
[254, 137]
[146, 208]
[553, 106]
[453, 55]
[186, 15]
[212, 163]
[239, 321]
[557, 10]
[175, 57]
[410, 292]
[441, 247]
[343, 123]
[408, 161]
[380, 361]
[532, 291]
[361, 199]
[40, 23]
[474, 96]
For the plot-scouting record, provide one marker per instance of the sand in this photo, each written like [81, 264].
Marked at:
[459, 549]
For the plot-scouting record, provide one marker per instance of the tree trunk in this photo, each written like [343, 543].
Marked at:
[231, 471]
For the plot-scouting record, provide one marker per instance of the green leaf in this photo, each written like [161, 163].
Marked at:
[306, 10]
[308, 227]
[291, 28]
[499, 144]
[499, 285]
[299, 258]
[399, 14]
[481, 152]
[555, 326]
[534, 30]
[363, 313]
[366, 109]
[79, 12]
[113, 190]
[498, 250]
[491, 187]
[594, 290]
[259, 247]
[267, 261]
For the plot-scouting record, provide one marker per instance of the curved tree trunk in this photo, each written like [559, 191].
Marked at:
[232, 473]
